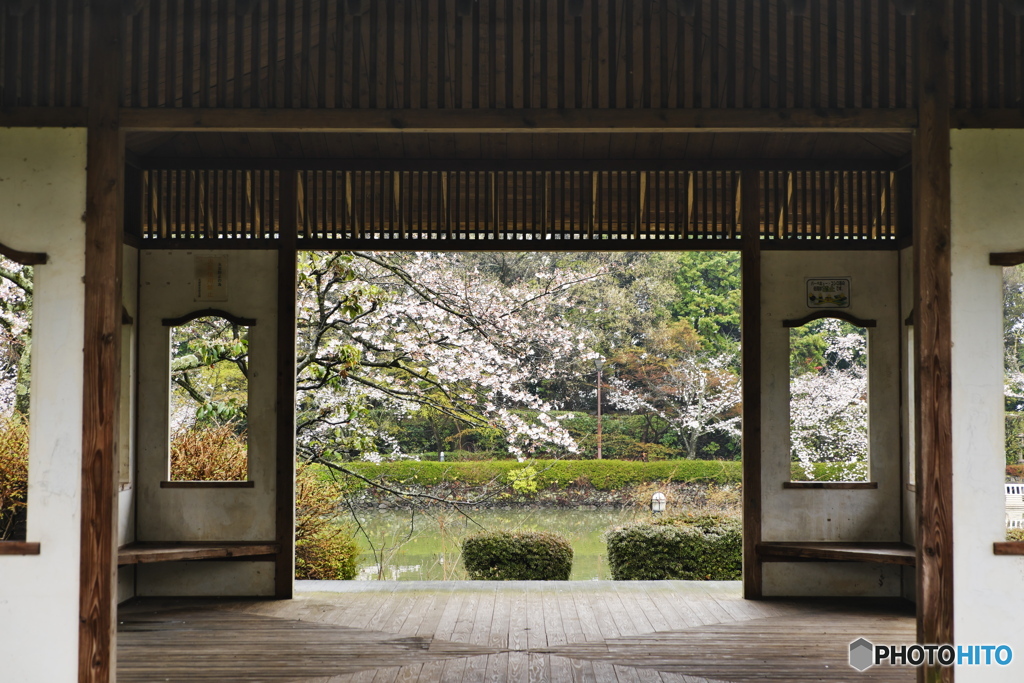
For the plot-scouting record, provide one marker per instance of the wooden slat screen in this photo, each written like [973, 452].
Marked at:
[215, 204]
[518, 205]
[454, 209]
[840, 205]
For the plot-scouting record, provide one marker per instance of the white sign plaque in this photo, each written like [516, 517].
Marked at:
[828, 292]
[211, 278]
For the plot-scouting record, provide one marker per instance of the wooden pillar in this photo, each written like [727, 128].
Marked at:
[750, 202]
[285, 474]
[932, 334]
[102, 359]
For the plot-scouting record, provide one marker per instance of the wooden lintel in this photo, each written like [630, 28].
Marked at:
[43, 117]
[410, 244]
[833, 485]
[839, 315]
[526, 165]
[25, 258]
[246, 484]
[1006, 259]
[988, 118]
[521, 120]
[209, 312]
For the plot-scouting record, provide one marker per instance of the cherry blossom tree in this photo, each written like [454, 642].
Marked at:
[829, 407]
[693, 390]
[15, 335]
[396, 333]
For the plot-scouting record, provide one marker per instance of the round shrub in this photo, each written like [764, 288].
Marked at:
[517, 556]
[691, 548]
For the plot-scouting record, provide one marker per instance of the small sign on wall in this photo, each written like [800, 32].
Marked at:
[211, 278]
[828, 292]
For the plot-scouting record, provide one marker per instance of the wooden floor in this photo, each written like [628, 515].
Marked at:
[623, 632]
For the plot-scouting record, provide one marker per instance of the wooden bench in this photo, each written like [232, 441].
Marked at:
[882, 553]
[173, 551]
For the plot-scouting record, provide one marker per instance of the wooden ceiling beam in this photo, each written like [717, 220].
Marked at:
[483, 165]
[522, 120]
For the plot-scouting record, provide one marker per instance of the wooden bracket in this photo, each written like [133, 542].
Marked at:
[25, 258]
[818, 315]
[189, 317]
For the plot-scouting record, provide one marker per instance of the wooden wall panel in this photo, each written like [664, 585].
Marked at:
[436, 54]
[440, 54]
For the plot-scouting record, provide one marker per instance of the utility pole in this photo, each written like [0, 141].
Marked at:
[598, 363]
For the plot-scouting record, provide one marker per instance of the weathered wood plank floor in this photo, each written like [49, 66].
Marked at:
[386, 632]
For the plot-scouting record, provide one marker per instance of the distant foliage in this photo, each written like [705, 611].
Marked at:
[690, 548]
[604, 475]
[325, 549]
[517, 556]
[208, 453]
[13, 477]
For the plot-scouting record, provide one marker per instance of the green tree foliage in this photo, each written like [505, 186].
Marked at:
[708, 288]
[210, 373]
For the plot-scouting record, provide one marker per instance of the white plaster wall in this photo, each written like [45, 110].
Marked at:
[987, 200]
[907, 437]
[42, 204]
[126, 425]
[831, 515]
[167, 290]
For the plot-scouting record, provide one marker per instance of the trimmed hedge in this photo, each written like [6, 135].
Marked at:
[691, 548]
[517, 556]
[604, 475]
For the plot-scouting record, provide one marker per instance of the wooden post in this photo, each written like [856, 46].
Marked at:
[284, 570]
[102, 360]
[751, 330]
[932, 334]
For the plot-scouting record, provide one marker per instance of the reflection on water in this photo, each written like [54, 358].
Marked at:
[426, 546]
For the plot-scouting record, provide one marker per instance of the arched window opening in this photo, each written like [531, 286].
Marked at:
[209, 400]
[828, 401]
[1013, 398]
[16, 298]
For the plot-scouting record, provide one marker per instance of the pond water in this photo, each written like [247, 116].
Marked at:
[426, 546]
